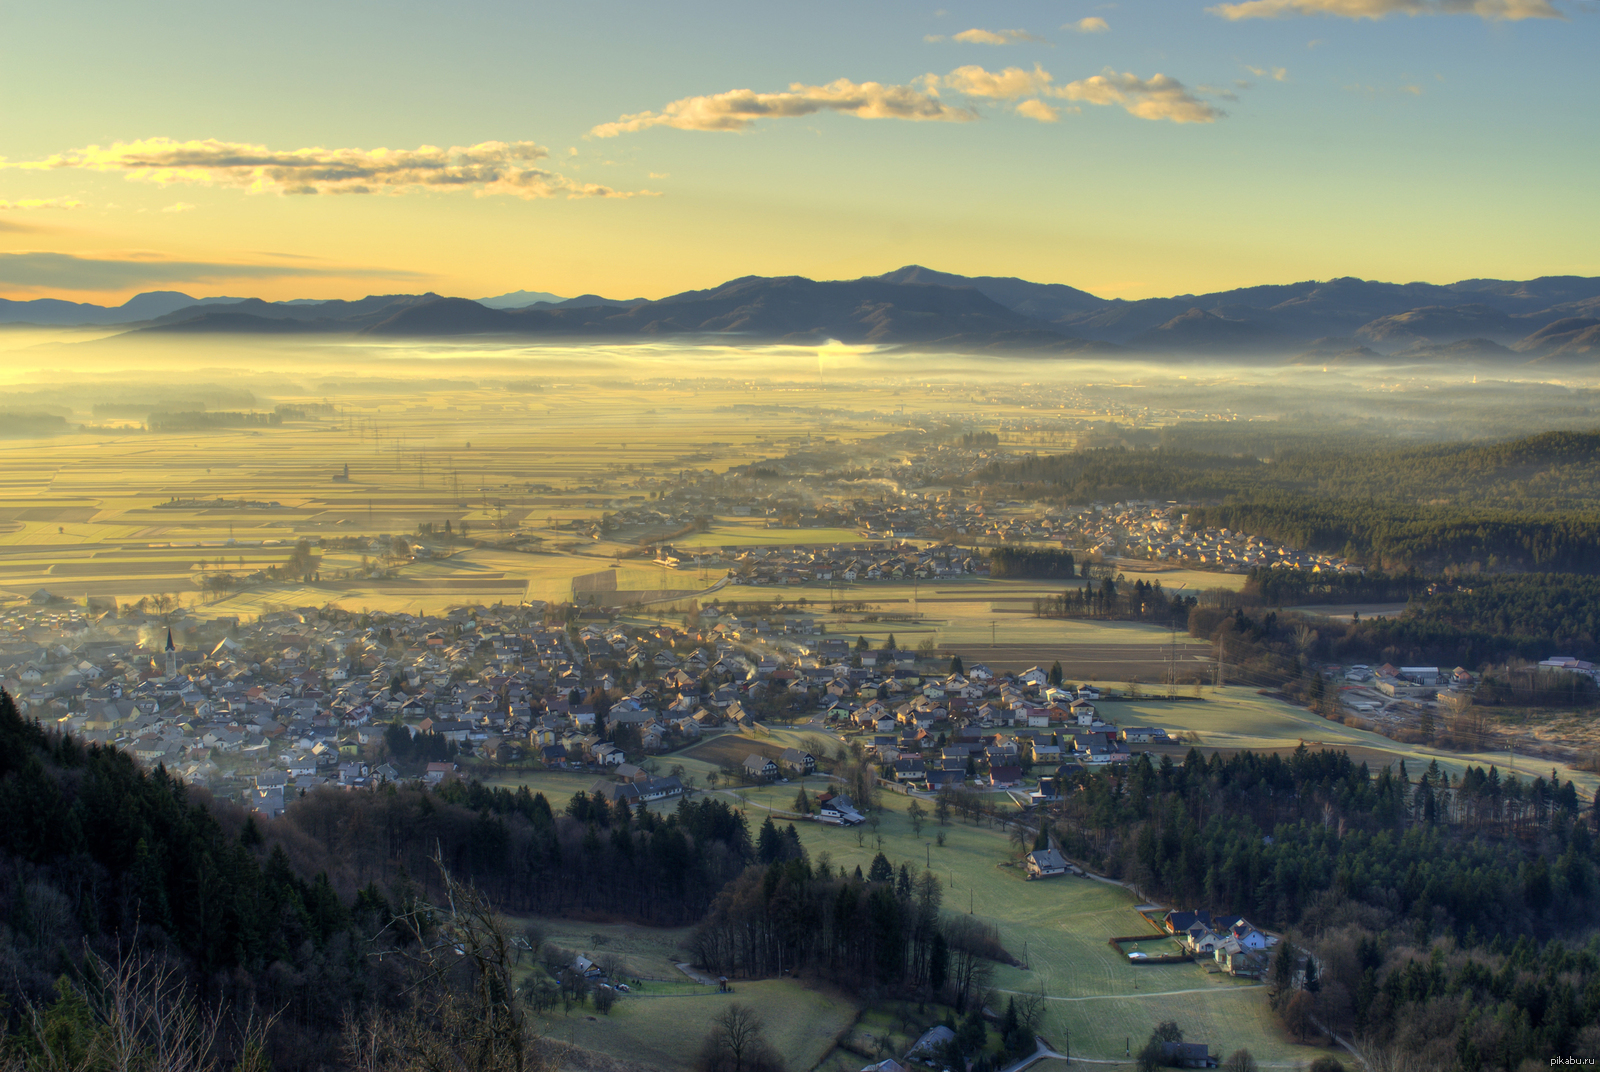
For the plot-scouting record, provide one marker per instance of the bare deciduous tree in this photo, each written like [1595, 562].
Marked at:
[464, 1014]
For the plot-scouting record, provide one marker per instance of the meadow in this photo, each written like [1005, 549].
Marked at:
[1057, 929]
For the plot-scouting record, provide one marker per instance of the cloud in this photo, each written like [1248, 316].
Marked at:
[1038, 109]
[42, 202]
[1278, 74]
[1092, 24]
[994, 37]
[1493, 10]
[179, 206]
[488, 168]
[738, 109]
[67, 271]
[1009, 84]
[1157, 97]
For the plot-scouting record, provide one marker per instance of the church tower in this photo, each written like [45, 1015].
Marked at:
[172, 657]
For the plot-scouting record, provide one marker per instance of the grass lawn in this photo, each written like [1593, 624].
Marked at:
[664, 1032]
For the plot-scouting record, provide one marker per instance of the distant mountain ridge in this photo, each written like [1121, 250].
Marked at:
[1553, 318]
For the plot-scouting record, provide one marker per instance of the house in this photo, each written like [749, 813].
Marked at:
[932, 1042]
[1180, 922]
[615, 791]
[1004, 777]
[760, 767]
[911, 769]
[837, 809]
[1188, 1055]
[800, 762]
[553, 755]
[1249, 963]
[888, 1064]
[1084, 713]
[265, 802]
[438, 772]
[1202, 939]
[1143, 735]
[1043, 863]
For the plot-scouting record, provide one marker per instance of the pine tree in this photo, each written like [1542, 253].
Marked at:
[769, 843]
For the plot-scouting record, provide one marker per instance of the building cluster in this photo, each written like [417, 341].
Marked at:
[1237, 946]
[259, 711]
[836, 564]
[1159, 531]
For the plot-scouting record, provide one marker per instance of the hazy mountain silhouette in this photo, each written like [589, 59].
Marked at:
[1342, 320]
[146, 306]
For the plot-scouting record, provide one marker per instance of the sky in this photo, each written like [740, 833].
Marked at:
[298, 150]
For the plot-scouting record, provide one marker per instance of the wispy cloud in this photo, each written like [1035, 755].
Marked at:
[1277, 74]
[1091, 24]
[1493, 10]
[179, 206]
[488, 168]
[67, 271]
[1157, 97]
[41, 202]
[738, 109]
[994, 37]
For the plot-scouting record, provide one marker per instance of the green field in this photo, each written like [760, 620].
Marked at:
[1095, 997]
[1059, 929]
[1237, 717]
[664, 1031]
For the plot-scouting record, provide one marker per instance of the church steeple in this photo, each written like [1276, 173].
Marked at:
[172, 656]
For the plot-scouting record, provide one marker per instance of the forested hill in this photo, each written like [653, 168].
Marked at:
[1525, 504]
[1552, 471]
[1452, 918]
[281, 917]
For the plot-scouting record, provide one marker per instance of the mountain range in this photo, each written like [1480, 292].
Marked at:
[1344, 321]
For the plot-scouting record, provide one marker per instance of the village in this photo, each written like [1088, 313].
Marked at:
[304, 698]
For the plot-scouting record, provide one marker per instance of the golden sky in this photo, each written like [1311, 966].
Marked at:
[635, 150]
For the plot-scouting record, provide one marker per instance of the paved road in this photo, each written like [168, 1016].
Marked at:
[1143, 994]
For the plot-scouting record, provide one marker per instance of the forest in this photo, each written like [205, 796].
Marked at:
[1471, 898]
[1031, 563]
[287, 918]
[1472, 621]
